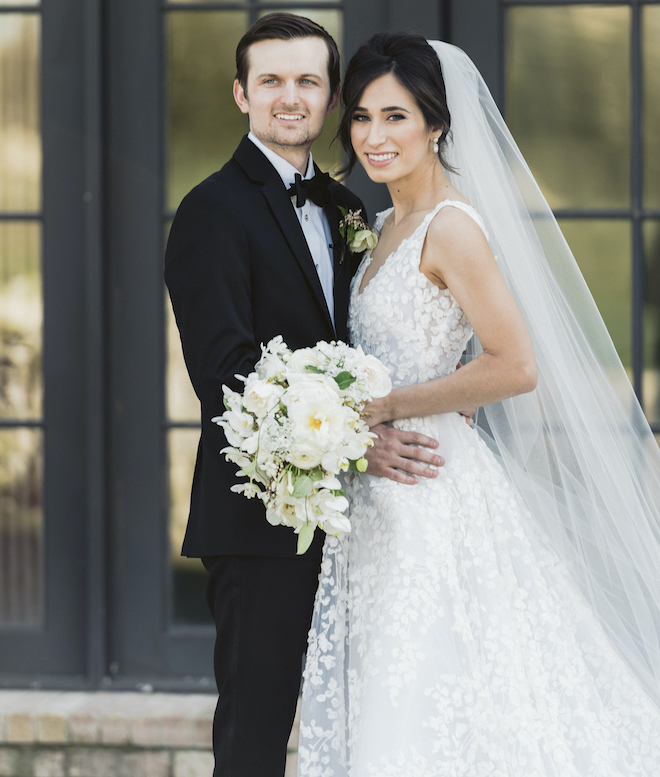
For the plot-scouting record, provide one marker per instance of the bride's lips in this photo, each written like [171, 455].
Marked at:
[381, 160]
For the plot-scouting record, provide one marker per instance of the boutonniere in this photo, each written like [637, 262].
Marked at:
[355, 232]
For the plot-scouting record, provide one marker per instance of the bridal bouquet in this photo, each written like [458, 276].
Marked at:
[296, 426]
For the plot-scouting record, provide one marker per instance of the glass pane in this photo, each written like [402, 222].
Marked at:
[20, 139]
[188, 574]
[651, 113]
[19, 2]
[602, 249]
[327, 155]
[21, 527]
[651, 385]
[182, 402]
[568, 100]
[204, 124]
[21, 314]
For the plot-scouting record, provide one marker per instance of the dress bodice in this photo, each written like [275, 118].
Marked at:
[416, 329]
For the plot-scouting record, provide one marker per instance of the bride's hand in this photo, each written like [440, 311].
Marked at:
[376, 412]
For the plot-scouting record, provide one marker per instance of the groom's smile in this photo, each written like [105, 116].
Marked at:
[287, 95]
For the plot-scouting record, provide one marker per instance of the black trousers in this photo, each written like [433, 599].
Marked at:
[262, 609]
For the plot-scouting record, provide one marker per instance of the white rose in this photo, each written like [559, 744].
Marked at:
[363, 239]
[303, 358]
[260, 397]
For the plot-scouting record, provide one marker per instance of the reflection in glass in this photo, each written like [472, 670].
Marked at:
[327, 155]
[602, 249]
[28, 3]
[651, 385]
[188, 574]
[651, 112]
[20, 139]
[21, 527]
[21, 314]
[204, 124]
[568, 100]
[182, 402]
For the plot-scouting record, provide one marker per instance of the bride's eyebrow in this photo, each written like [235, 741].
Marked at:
[394, 108]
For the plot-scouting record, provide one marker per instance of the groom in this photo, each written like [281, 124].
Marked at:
[249, 258]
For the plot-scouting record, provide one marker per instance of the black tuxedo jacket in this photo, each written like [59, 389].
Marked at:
[239, 272]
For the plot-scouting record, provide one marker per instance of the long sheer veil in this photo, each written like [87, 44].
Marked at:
[578, 449]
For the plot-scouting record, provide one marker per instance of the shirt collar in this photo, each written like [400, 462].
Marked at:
[286, 170]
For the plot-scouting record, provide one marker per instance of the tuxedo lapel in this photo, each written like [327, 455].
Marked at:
[261, 171]
[341, 270]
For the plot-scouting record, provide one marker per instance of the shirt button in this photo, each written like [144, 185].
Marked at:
[306, 217]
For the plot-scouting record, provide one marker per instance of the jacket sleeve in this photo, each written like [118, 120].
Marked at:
[207, 271]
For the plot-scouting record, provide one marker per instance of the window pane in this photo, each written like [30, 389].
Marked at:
[651, 54]
[21, 527]
[204, 124]
[20, 140]
[28, 3]
[182, 402]
[21, 313]
[651, 386]
[188, 574]
[602, 249]
[568, 100]
[328, 157]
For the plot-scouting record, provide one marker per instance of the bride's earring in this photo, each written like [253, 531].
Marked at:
[435, 145]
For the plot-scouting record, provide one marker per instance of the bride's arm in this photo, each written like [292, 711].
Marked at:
[456, 255]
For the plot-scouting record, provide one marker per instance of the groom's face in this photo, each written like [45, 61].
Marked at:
[288, 92]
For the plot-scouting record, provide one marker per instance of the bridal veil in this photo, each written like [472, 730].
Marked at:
[578, 449]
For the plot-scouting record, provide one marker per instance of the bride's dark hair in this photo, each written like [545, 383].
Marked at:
[414, 64]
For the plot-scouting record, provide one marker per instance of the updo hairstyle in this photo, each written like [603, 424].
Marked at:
[415, 65]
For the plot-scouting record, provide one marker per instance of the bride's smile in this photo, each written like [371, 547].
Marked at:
[390, 135]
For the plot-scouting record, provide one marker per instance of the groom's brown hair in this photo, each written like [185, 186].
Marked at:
[285, 26]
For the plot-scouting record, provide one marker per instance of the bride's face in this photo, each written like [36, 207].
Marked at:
[389, 133]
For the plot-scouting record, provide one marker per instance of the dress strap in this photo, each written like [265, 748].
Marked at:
[471, 212]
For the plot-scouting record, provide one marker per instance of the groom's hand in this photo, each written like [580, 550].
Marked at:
[398, 456]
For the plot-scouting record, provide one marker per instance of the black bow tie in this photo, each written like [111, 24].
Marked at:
[316, 189]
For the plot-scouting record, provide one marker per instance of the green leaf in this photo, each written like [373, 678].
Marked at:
[248, 469]
[305, 538]
[312, 368]
[345, 379]
[302, 487]
[342, 210]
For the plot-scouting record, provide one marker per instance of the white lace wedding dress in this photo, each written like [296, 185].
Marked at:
[447, 640]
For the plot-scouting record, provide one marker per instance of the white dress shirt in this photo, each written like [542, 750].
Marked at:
[313, 221]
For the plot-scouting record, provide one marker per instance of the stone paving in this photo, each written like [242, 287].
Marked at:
[110, 734]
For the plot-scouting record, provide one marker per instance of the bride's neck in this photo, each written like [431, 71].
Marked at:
[420, 190]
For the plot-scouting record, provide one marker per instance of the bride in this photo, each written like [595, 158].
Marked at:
[503, 617]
